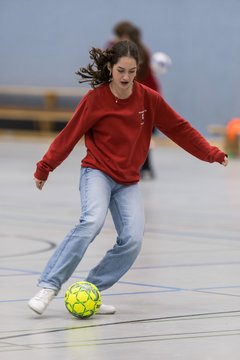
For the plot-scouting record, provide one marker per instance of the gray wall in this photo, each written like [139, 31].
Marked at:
[44, 42]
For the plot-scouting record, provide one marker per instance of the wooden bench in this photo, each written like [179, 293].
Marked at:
[44, 116]
[216, 129]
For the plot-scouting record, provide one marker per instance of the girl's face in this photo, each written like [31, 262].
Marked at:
[123, 73]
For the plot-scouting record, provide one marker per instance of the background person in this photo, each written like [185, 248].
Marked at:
[126, 30]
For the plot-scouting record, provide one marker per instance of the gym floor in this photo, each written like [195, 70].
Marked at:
[180, 300]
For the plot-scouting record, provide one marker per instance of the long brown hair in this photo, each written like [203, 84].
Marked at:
[97, 72]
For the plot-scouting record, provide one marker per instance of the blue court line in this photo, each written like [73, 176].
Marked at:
[136, 284]
[220, 263]
[217, 288]
[113, 294]
[169, 288]
[164, 289]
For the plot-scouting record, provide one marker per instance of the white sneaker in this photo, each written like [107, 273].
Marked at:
[106, 310]
[41, 300]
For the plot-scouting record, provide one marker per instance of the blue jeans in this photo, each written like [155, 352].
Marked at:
[99, 193]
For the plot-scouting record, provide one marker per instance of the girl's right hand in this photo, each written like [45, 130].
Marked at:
[225, 161]
[39, 183]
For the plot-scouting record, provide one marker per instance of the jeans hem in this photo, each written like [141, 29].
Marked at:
[46, 285]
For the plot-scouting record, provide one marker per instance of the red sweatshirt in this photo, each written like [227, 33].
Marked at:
[118, 133]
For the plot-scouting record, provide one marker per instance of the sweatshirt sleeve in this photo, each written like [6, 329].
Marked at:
[170, 123]
[65, 141]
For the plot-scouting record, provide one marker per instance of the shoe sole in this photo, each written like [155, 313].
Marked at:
[102, 314]
[106, 313]
[37, 312]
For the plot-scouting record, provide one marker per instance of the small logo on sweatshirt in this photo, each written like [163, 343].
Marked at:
[142, 116]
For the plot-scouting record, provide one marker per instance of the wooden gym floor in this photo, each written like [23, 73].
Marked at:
[180, 300]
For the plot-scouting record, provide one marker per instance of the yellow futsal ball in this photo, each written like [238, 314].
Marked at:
[82, 299]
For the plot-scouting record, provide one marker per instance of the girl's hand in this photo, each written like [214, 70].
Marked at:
[39, 183]
[225, 161]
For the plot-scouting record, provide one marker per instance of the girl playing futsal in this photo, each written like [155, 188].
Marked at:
[116, 117]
